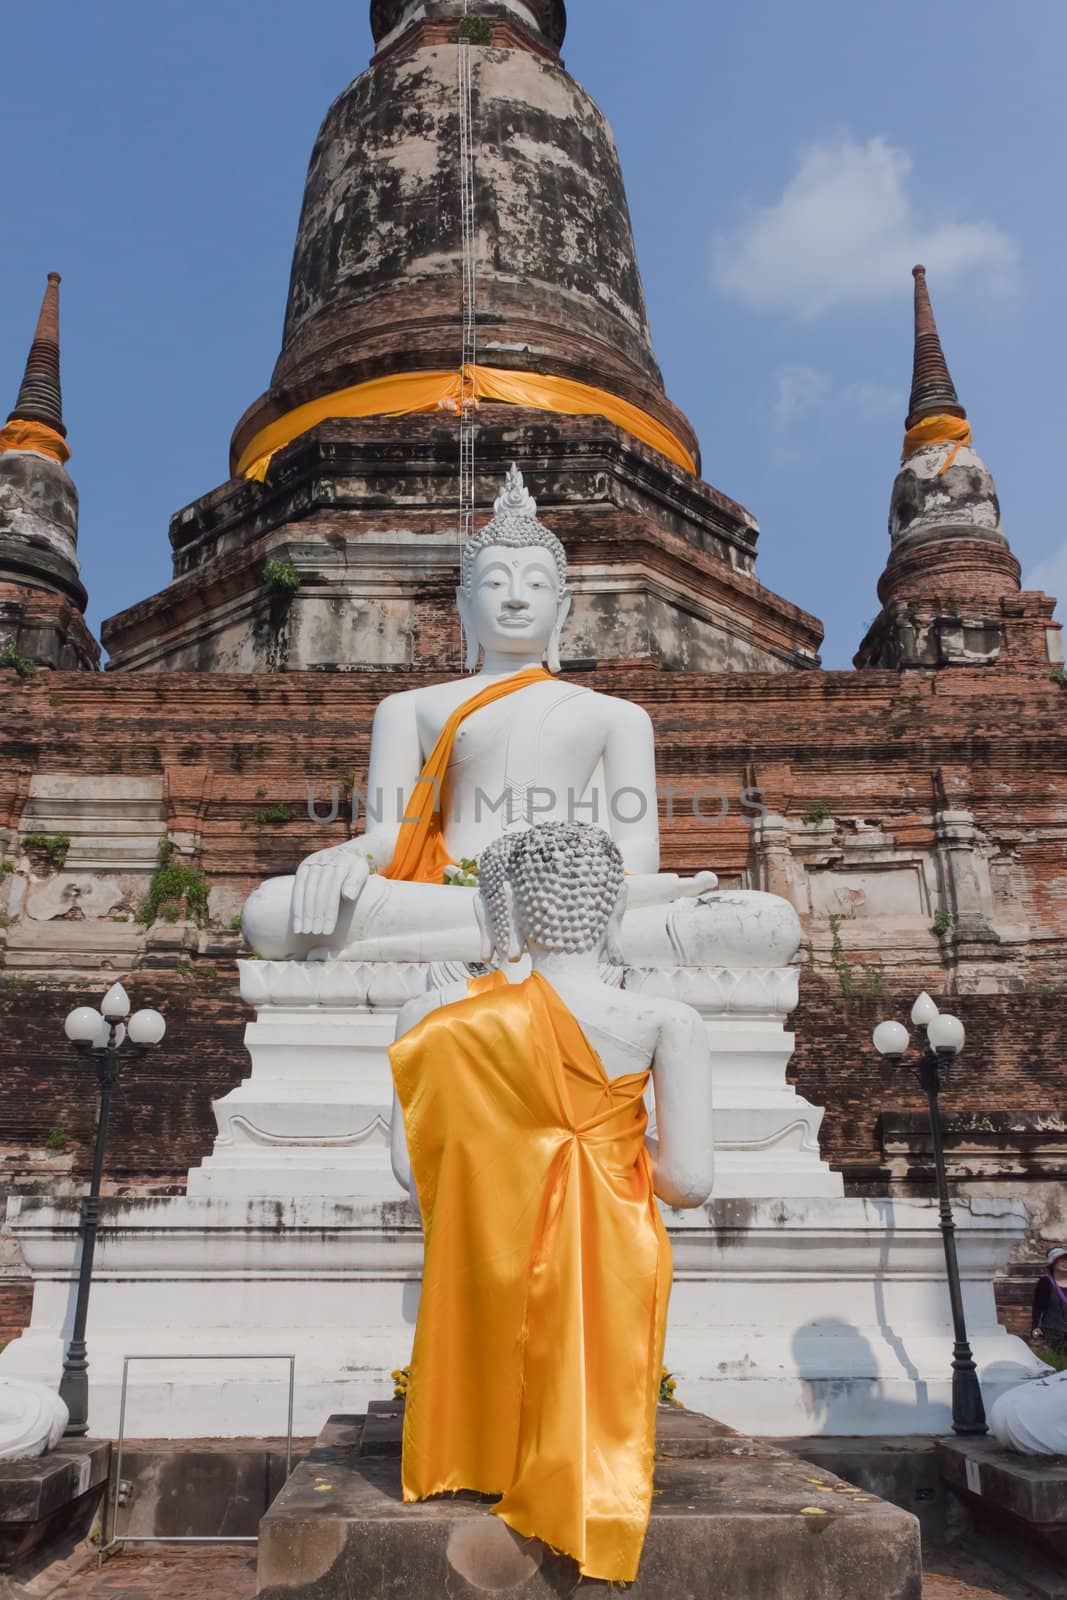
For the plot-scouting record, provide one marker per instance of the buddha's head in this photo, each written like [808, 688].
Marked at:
[559, 886]
[513, 598]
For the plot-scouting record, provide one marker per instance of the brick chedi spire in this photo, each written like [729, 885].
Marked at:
[546, 20]
[42, 600]
[41, 397]
[950, 592]
[348, 466]
[932, 389]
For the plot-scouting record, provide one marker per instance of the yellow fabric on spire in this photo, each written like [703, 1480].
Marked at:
[409, 392]
[539, 1343]
[938, 430]
[35, 436]
[420, 855]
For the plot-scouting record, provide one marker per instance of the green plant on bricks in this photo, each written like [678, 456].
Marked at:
[845, 976]
[13, 660]
[281, 577]
[174, 887]
[52, 848]
[476, 30]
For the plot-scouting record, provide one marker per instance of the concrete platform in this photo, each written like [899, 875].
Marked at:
[52, 1498]
[1017, 1507]
[1033, 1488]
[731, 1515]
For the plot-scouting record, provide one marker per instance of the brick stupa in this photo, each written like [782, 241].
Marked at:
[42, 600]
[950, 593]
[366, 509]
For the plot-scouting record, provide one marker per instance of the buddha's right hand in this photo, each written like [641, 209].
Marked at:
[322, 882]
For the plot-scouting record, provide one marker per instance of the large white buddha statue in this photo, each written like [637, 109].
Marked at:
[455, 765]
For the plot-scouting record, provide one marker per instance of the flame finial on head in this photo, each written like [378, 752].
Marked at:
[515, 499]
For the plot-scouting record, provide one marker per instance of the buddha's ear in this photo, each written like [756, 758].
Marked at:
[552, 660]
[499, 925]
[612, 951]
[471, 647]
[516, 941]
[485, 928]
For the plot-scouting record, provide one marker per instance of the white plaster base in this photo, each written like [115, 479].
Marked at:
[313, 1117]
[787, 1318]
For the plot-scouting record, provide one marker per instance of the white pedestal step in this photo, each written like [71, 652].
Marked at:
[787, 1317]
[313, 1117]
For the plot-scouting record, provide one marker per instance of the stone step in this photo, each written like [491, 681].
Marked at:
[762, 1521]
[1016, 1509]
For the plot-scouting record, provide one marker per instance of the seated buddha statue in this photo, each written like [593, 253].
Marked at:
[456, 765]
[539, 1343]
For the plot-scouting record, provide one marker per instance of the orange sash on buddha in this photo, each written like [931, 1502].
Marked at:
[420, 855]
[539, 1345]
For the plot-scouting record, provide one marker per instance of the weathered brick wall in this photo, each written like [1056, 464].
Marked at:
[161, 1121]
[873, 750]
[1014, 1061]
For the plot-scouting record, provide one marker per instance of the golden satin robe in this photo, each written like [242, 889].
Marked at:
[539, 1345]
[420, 855]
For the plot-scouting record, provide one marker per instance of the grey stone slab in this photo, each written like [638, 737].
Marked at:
[731, 1516]
[901, 1468]
[53, 1498]
[30, 1490]
[188, 1488]
[1033, 1488]
[383, 1429]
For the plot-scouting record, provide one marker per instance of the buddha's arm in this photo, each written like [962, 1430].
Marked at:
[410, 1016]
[632, 808]
[329, 876]
[683, 1153]
[395, 764]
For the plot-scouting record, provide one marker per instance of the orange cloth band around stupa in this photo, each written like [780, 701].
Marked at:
[420, 855]
[411, 392]
[35, 436]
[938, 430]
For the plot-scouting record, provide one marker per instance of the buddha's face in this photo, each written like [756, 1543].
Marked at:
[514, 604]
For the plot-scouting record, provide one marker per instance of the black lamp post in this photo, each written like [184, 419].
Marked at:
[944, 1040]
[101, 1035]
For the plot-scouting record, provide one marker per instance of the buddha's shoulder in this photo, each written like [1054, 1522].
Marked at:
[409, 702]
[617, 713]
[657, 1008]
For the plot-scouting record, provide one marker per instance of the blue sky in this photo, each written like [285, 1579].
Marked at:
[785, 164]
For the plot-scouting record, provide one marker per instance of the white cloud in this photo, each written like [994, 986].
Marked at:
[800, 389]
[804, 394]
[1051, 575]
[877, 400]
[845, 233]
